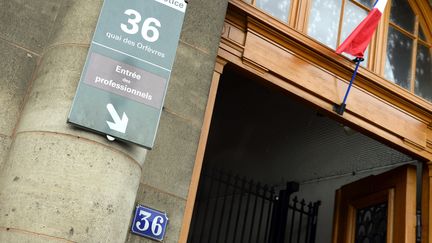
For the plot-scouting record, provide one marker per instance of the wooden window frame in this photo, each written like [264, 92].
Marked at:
[291, 13]
[413, 36]
[298, 20]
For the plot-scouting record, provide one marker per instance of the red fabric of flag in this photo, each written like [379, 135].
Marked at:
[357, 42]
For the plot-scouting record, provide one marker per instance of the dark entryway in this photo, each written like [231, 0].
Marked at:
[270, 136]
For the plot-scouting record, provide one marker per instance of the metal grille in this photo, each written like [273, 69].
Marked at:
[234, 209]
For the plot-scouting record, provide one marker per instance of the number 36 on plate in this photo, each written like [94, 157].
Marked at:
[149, 223]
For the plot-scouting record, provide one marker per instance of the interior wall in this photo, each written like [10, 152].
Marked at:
[260, 132]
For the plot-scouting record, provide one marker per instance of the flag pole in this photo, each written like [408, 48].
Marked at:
[339, 109]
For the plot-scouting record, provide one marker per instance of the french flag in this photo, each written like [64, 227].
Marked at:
[357, 42]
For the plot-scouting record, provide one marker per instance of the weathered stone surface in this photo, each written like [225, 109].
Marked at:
[169, 165]
[13, 235]
[190, 83]
[28, 23]
[55, 161]
[164, 202]
[203, 24]
[76, 22]
[67, 187]
[4, 149]
[17, 67]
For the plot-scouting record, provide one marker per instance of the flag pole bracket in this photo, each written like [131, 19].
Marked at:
[340, 109]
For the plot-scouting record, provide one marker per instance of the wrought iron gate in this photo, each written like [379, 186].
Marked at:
[233, 209]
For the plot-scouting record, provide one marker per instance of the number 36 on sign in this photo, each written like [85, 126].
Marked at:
[149, 223]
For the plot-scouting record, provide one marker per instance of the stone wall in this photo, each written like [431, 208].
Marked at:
[63, 184]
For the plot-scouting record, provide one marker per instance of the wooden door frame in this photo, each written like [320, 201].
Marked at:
[397, 186]
[375, 198]
[196, 173]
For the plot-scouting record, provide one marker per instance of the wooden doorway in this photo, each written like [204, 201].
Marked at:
[379, 208]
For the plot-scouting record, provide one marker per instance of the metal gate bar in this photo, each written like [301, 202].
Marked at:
[234, 209]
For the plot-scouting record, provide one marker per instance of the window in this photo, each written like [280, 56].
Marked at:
[335, 25]
[423, 76]
[408, 55]
[354, 12]
[406, 52]
[279, 9]
[324, 21]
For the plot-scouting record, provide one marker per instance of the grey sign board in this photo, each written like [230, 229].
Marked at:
[126, 74]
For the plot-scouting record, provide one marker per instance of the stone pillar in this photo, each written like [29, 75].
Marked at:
[59, 183]
[16, 73]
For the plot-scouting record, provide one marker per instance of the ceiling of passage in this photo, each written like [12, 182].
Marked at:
[261, 132]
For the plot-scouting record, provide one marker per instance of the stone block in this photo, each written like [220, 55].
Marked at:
[13, 235]
[190, 83]
[50, 99]
[17, 67]
[67, 187]
[173, 206]
[28, 23]
[53, 90]
[76, 22]
[4, 149]
[203, 24]
[169, 165]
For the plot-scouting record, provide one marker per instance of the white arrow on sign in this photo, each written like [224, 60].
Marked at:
[118, 125]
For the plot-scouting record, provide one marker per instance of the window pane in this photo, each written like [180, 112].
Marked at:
[402, 15]
[423, 82]
[421, 34]
[353, 15]
[367, 3]
[277, 8]
[324, 21]
[399, 53]
[248, 1]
